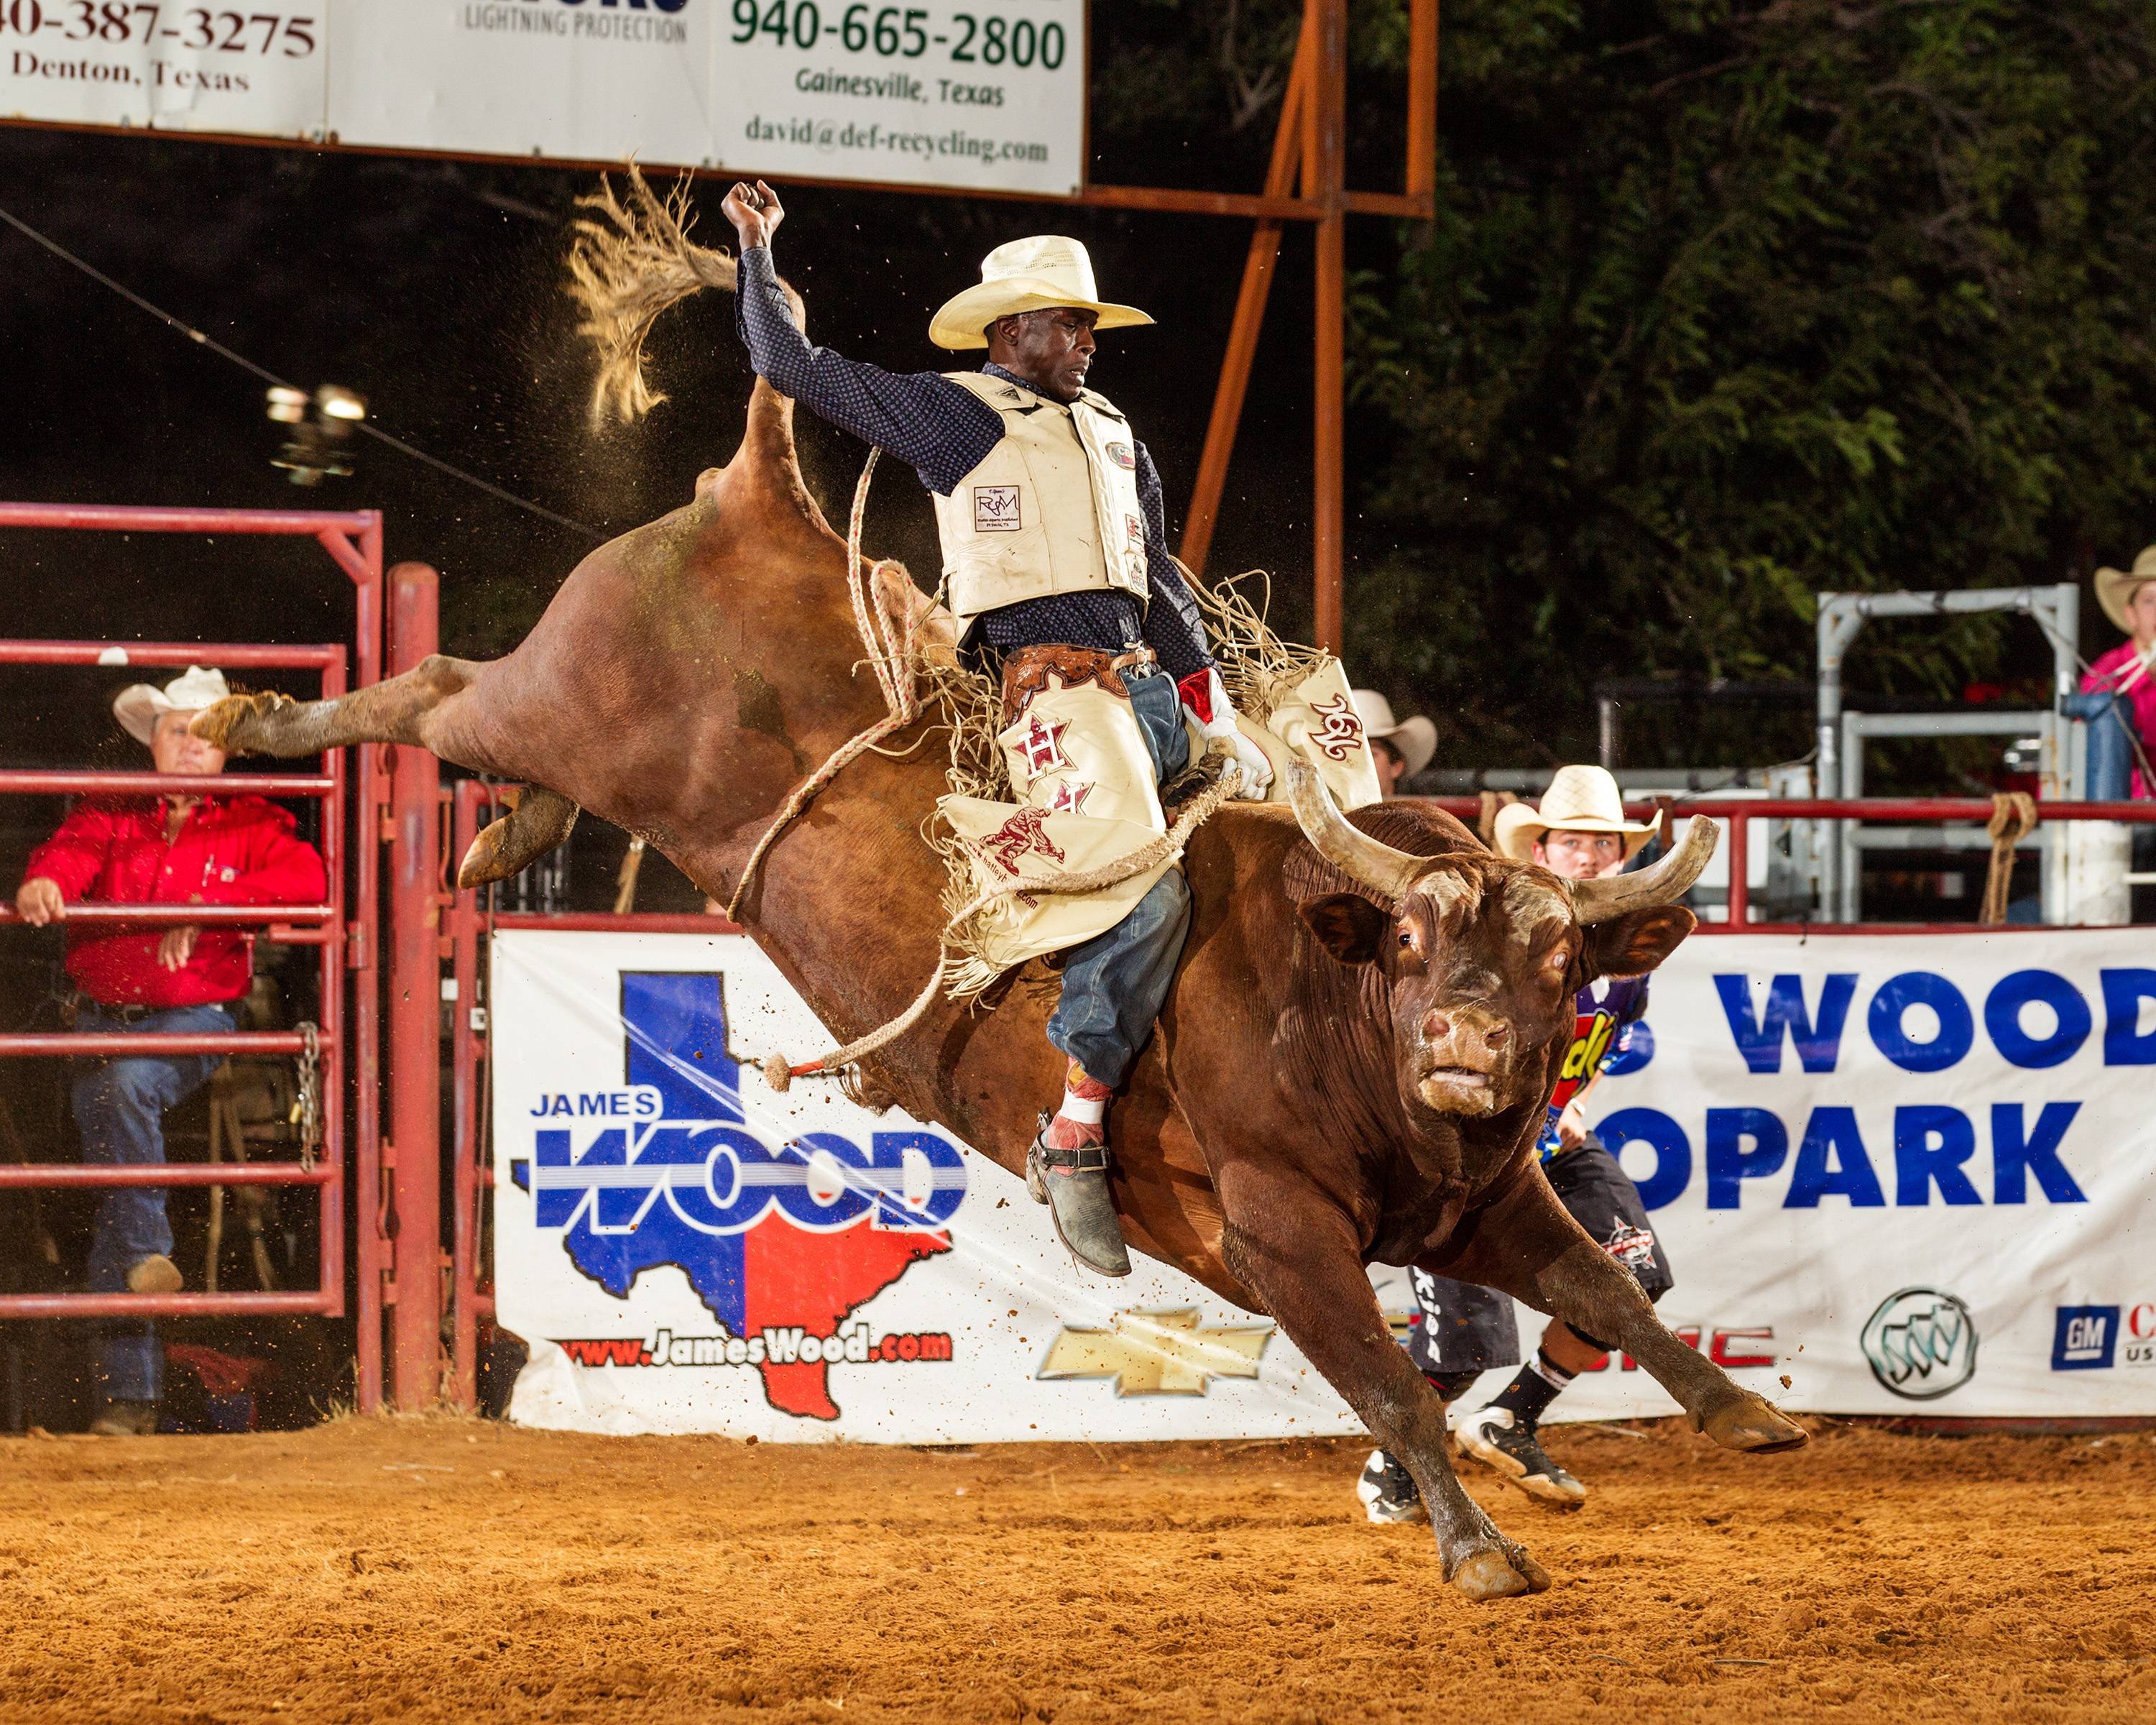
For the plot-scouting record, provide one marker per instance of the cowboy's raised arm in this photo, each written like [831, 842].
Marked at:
[920, 417]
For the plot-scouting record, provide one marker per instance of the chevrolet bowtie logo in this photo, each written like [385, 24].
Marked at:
[1159, 1352]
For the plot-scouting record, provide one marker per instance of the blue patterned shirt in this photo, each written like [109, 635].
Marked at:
[943, 433]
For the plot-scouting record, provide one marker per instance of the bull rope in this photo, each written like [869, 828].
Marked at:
[779, 1073]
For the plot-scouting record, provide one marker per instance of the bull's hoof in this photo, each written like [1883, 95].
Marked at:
[1491, 1573]
[486, 861]
[235, 723]
[1752, 1424]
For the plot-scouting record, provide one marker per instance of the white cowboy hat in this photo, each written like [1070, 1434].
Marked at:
[1415, 738]
[2115, 586]
[1580, 800]
[138, 705]
[1031, 274]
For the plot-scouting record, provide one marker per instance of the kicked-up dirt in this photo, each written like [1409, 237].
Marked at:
[438, 1569]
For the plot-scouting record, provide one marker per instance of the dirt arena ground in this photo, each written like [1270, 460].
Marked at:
[440, 1569]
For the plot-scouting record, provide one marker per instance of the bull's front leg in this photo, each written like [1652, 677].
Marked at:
[1297, 1250]
[1526, 1244]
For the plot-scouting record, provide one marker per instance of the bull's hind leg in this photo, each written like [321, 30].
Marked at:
[414, 709]
[398, 710]
[1526, 1245]
[1294, 1248]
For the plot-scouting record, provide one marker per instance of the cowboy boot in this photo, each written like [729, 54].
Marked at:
[1067, 1170]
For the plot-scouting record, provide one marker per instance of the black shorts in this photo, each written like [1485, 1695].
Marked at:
[1463, 1327]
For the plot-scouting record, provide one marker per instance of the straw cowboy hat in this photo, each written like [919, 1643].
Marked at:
[138, 705]
[2115, 586]
[1415, 738]
[1032, 274]
[1580, 800]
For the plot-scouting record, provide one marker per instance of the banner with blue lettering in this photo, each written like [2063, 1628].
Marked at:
[1904, 1174]
[686, 1250]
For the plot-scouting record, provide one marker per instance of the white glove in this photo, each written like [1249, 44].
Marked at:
[1208, 704]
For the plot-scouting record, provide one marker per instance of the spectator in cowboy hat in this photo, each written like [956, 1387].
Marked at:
[1582, 811]
[1401, 747]
[175, 849]
[2128, 599]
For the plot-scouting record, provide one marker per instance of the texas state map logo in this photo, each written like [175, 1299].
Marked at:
[783, 1243]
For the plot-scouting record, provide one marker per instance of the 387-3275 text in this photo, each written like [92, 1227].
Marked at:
[903, 32]
[202, 28]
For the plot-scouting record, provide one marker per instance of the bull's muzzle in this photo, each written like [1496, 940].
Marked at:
[1461, 1057]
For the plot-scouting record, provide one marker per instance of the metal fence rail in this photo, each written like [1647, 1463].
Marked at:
[342, 931]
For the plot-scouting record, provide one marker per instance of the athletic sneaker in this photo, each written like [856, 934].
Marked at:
[1490, 1435]
[1388, 1491]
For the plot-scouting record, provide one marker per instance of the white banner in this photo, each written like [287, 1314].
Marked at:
[1908, 1173]
[1903, 1173]
[258, 68]
[985, 93]
[686, 1250]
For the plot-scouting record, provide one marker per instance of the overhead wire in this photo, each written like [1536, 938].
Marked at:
[202, 338]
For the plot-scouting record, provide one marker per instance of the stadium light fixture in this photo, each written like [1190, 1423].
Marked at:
[321, 426]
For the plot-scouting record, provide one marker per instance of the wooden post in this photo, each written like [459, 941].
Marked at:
[1422, 104]
[415, 1006]
[1205, 495]
[1327, 143]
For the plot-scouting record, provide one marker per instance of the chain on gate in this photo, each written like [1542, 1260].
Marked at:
[307, 1105]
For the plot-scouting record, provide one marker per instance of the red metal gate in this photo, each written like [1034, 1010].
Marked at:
[344, 931]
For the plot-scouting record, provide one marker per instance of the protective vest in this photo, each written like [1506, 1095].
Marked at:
[1052, 508]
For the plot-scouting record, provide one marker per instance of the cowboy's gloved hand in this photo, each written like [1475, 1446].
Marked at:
[1208, 703]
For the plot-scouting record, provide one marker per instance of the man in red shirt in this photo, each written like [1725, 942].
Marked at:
[175, 849]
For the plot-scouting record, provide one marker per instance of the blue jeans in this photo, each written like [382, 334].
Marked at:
[1114, 984]
[120, 1106]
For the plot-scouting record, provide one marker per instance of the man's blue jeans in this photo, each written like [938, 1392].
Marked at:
[1114, 984]
[120, 1106]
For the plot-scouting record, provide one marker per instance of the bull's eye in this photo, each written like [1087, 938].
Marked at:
[1407, 939]
[1557, 963]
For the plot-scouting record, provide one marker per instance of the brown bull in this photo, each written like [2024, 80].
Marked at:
[1364, 1087]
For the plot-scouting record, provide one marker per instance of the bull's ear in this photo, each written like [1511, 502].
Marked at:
[1347, 926]
[1634, 944]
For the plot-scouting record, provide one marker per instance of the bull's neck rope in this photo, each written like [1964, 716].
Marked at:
[891, 644]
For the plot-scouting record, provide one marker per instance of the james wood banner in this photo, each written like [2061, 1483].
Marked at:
[962, 93]
[686, 1250]
[1903, 1173]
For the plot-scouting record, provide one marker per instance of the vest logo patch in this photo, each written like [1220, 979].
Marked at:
[1133, 532]
[995, 509]
[1121, 455]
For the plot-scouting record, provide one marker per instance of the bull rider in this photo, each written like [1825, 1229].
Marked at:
[177, 848]
[1055, 558]
[1579, 833]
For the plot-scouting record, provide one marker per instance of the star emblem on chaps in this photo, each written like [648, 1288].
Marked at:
[1042, 746]
[1070, 798]
[1159, 1352]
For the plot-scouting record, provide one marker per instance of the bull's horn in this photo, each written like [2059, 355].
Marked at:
[1664, 884]
[1390, 874]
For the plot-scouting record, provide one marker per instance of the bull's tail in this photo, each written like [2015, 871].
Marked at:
[630, 261]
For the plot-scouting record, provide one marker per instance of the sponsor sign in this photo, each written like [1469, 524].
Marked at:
[1886, 1150]
[688, 1251]
[985, 93]
[1904, 1172]
[2085, 1339]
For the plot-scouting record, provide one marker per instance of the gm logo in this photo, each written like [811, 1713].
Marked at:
[2085, 1339]
[1921, 1344]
